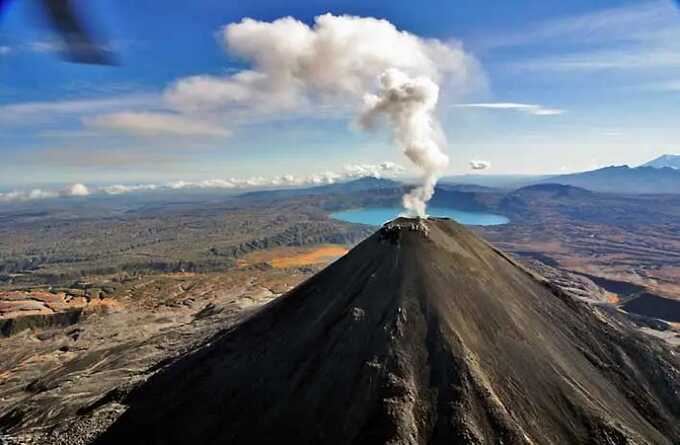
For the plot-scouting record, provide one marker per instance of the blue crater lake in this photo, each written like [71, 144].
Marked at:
[377, 216]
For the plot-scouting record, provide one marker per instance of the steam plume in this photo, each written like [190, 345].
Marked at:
[336, 61]
[409, 105]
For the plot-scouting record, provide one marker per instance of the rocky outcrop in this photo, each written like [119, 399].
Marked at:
[20, 310]
[12, 326]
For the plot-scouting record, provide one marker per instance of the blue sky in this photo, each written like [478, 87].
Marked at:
[557, 86]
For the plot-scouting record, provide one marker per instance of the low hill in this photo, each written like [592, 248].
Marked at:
[550, 190]
[356, 185]
[468, 188]
[494, 181]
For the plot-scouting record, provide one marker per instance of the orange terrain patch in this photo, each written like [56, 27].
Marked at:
[613, 298]
[286, 257]
[321, 254]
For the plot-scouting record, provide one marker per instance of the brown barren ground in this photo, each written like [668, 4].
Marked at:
[292, 257]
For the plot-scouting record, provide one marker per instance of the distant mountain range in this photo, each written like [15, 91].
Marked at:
[670, 161]
[624, 179]
[661, 175]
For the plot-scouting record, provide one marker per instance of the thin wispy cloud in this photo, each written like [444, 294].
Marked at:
[22, 112]
[647, 20]
[620, 59]
[37, 46]
[45, 46]
[109, 158]
[57, 46]
[156, 124]
[638, 36]
[662, 86]
[533, 109]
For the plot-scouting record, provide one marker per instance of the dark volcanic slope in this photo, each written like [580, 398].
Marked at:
[422, 334]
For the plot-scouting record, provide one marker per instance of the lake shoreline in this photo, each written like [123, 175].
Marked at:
[377, 216]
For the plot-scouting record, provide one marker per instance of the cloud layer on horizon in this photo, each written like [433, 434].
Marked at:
[35, 194]
[352, 171]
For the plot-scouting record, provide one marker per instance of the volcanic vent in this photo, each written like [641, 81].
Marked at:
[422, 334]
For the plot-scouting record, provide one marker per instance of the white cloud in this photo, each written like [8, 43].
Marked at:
[342, 59]
[210, 92]
[156, 124]
[75, 190]
[536, 110]
[337, 59]
[373, 170]
[206, 184]
[28, 195]
[479, 165]
[119, 189]
[351, 171]
[320, 71]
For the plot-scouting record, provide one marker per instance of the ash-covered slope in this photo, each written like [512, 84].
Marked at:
[422, 334]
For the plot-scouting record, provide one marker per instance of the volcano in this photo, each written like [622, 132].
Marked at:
[422, 334]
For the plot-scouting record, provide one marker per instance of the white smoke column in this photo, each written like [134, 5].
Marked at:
[326, 68]
[409, 105]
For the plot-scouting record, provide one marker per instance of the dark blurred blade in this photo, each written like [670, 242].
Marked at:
[80, 45]
[3, 6]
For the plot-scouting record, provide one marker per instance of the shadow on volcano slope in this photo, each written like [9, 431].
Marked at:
[422, 334]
